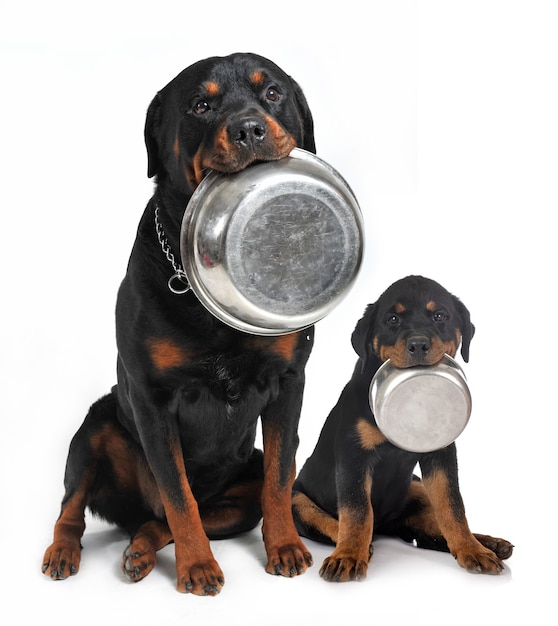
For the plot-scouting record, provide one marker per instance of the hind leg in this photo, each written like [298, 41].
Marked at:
[106, 473]
[235, 511]
[418, 522]
[140, 556]
[313, 522]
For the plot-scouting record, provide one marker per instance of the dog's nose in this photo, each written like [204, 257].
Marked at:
[248, 131]
[418, 345]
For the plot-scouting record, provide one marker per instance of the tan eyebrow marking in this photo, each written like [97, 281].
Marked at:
[257, 77]
[212, 88]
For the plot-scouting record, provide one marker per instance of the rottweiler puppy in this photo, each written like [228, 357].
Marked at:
[356, 483]
[169, 453]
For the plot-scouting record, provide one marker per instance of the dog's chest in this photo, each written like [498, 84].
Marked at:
[218, 409]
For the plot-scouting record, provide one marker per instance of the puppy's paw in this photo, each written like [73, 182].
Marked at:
[502, 549]
[479, 560]
[343, 568]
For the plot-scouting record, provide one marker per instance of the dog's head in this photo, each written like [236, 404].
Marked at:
[414, 322]
[224, 113]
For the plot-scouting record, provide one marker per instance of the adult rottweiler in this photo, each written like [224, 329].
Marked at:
[169, 453]
[356, 483]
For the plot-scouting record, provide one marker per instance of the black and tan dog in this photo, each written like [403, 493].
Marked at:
[356, 483]
[169, 454]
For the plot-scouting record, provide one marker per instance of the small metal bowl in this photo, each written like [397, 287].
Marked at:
[274, 248]
[422, 408]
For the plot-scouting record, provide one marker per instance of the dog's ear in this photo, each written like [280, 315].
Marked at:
[308, 142]
[467, 328]
[363, 334]
[151, 132]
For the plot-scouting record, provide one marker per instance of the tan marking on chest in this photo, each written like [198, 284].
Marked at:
[165, 354]
[369, 435]
[284, 345]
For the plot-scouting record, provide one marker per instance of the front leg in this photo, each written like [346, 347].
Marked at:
[353, 549]
[197, 570]
[439, 476]
[286, 554]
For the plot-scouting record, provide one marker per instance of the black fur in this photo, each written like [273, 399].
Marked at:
[356, 483]
[169, 453]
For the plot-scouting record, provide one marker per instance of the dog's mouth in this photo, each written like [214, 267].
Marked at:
[407, 363]
[417, 348]
[226, 168]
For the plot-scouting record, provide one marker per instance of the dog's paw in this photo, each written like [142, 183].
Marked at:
[479, 560]
[61, 560]
[343, 568]
[201, 579]
[288, 560]
[138, 559]
[502, 549]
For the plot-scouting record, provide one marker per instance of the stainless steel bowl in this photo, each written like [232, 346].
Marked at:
[275, 247]
[421, 408]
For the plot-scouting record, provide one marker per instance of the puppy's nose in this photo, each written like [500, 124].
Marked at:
[418, 345]
[248, 131]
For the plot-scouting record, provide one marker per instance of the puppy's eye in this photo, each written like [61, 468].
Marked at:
[272, 94]
[393, 320]
[201, 107]
[439, 316]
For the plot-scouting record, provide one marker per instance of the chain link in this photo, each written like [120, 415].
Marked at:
[179, 277]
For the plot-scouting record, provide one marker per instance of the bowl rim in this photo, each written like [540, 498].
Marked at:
[241, 313]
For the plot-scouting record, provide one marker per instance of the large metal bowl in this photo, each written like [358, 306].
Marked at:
[274, 248]
[422, 408]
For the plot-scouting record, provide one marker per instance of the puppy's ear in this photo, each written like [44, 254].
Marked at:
[363, 334]
[467, 328]
[308, 142]
[151, 133]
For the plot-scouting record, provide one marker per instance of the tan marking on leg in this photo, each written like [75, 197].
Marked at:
[462, 544]
[315, 517]
[287, 555]
[349, 560]
[140, 556]
[197, 570]
[62, 558]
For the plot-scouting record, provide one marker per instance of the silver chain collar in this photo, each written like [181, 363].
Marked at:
[178, 282]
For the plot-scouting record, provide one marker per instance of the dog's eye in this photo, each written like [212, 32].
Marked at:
[201, 107]
[439, 316]
[272, 94]
[393, 320]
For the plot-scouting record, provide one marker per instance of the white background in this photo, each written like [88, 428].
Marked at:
[442, 116]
